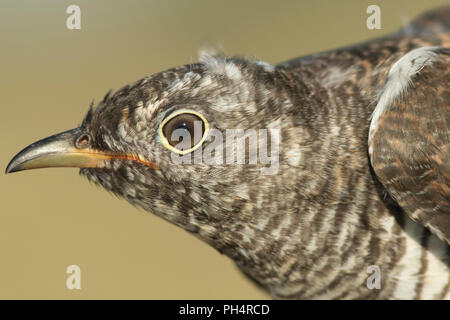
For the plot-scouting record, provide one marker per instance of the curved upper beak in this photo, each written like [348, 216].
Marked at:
[56, 151]
[60, 150]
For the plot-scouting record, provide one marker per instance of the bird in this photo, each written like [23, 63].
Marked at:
[358, 177]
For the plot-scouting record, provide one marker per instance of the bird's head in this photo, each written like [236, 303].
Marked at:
[148, 141]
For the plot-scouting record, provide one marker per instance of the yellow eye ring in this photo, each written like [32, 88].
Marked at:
[165, 142]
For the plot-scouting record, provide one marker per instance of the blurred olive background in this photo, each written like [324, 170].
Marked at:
[53, 218]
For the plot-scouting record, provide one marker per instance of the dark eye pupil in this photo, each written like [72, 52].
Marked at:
[184, 131]
[183, 126]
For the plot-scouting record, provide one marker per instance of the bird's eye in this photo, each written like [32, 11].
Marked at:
[183, 131]
[83, 141]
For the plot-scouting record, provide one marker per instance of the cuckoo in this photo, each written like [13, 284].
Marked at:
[359, 174]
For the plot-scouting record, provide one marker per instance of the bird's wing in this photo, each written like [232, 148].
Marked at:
[409, 137]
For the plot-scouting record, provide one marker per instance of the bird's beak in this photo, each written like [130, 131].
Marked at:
[60, 150]
[55, 151]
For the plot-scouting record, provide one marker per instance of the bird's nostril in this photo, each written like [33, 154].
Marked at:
[83, 141]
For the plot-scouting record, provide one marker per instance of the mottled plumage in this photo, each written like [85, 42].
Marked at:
[341, 200]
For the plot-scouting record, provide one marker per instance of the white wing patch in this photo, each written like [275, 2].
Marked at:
[399, 79]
